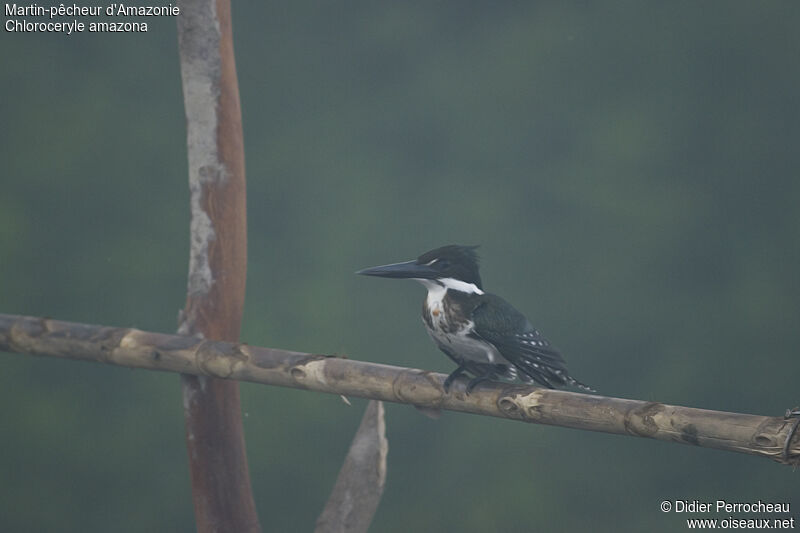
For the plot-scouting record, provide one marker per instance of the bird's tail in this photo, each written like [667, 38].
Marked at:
[575, 383]
[552, 374]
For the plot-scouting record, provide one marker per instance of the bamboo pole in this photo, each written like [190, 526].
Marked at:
[772, 437]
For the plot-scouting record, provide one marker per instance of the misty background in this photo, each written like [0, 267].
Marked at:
[630, 171]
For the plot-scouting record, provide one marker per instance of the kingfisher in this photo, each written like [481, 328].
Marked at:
[481, 332]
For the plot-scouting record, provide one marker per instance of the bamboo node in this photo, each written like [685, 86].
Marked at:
[791, 413]
[508, 406]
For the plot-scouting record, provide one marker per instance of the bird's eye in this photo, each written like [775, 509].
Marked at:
[443, 263]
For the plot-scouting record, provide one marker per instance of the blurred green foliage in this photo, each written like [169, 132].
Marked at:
[630, 169]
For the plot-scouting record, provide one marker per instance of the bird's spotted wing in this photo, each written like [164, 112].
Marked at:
[497, 322]
[534, 357]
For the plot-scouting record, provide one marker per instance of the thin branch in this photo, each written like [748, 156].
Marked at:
[223, 499]
[764, 436]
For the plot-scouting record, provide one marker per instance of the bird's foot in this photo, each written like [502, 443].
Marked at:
[475, 381]
[452, 377]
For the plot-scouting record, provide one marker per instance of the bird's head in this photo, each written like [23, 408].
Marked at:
[448, 264]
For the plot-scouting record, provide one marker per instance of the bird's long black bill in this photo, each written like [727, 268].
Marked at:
[409, 269]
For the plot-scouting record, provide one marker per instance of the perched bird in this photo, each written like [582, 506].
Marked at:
[481, 332]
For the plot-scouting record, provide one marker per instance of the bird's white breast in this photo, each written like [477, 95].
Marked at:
[458, 342]
[435, 305]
